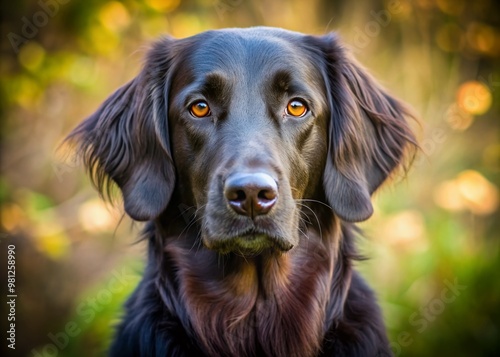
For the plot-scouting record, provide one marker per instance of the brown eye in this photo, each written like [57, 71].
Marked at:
[296, 108]
[200, 109]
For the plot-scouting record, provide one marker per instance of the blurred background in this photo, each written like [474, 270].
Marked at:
[433, 242]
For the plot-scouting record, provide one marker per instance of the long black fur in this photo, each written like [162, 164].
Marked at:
[204, 292]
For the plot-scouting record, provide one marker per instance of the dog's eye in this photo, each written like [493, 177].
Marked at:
[296, 108]
[200, 109]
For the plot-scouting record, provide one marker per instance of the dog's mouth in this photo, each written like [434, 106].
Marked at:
[245, 215]
[252, 242]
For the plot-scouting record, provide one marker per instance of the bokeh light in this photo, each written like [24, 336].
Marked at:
[114, 16]
[481, 37]
[31, 56]
[405, 230]
[469, 190]
[95, 217]
[474, 97]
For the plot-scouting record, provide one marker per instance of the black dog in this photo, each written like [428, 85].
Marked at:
[276, 140]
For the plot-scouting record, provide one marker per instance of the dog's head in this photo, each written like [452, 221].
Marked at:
[247, 125]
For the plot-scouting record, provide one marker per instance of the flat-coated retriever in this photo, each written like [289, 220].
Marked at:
[250, 152]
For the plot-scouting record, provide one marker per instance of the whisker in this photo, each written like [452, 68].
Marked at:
[314, 201]
[315, 216]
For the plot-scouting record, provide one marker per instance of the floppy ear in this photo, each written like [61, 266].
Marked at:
[126, 140]
[369, 136]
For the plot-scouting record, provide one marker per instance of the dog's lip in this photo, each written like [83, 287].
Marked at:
[251, 242]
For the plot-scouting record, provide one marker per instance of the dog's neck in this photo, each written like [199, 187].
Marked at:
[276, 304]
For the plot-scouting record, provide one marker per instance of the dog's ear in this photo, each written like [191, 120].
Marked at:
[126, 140]
[369, 136]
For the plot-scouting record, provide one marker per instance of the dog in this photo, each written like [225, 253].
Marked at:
[251, 154]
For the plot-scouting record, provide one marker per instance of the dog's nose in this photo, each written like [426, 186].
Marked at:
[251, 194]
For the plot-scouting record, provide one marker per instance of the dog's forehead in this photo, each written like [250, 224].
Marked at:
[255, 51]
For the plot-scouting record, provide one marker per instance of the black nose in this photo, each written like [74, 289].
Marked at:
[251, 194]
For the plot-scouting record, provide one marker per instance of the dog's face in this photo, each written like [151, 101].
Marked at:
[248, 130]
[247, 125]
